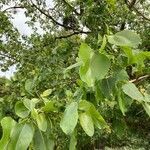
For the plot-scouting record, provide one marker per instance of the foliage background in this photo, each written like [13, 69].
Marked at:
[41, 59]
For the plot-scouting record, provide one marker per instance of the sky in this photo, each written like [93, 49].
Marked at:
[19, 21]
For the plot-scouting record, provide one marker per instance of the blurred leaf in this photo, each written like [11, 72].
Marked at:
[7, 124]
[29, 104]
[147, 108]
[87, 123]
[41, 122]
[46, 93]
[131, 90]
[70, 118]
[21, 110]
[85, 53]
[50, 106]
[99, 66]
[125, 38]
[21, 137]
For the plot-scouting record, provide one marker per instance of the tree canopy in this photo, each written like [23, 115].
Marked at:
[83, 82]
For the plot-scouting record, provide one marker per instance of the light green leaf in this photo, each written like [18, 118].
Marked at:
[73, 66]
[70, 118]
[147, 108]
[125, 38]
[88, 107]
[99, 121]
[99, 66]
[129, 54]
[7, 124]
[121, 105]
[85, 53]
[103, 44]
[132, 91]
[29, 85]
[21, 110]
[29, 104]
[46, 93]
[50, 106]
[41, 122]
[87, 123]
[85, 75]
[21, 137]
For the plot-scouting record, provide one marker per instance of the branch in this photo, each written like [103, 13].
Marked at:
[132, 7]
[50, 17]
[13, 7]
[139, 79]
[74, 10]
[72, 34]
[5, 55]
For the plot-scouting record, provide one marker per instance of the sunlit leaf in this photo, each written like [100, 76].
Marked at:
[7, 124]
[21, 110]
[70, 118]
[125, 38]
[21, 137]
[131, 90]
[87, 123]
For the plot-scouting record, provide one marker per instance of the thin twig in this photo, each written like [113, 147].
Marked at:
[50, 17]
[74, 10]
[13, 7]
[132, 7]
[140, 79]
[72, 34]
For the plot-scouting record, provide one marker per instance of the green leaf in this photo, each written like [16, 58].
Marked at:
[85, 75]
[21, 137]
[129, 54]
[41, 122]
[21, 110]
[70, 118]
[132, 91]
[99, 66]
[50, 107]
[38, 141]
[87, 123]
[7, 124]
[46, 93]
[103, 44]
[121, 104]
[29, 85]
[29, 104]
[147, 108]
[97, 118]
[85, 53]
[73, 142]
[125, 38]
[73, 66]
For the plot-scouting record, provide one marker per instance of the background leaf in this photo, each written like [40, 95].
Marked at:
[125, 38]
